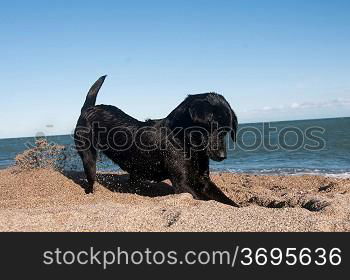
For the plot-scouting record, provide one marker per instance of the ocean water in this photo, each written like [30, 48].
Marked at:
[289, 147]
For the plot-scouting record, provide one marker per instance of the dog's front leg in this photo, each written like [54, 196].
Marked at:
[135, 183]
[181, 183]
[211, 192]
[201, 188]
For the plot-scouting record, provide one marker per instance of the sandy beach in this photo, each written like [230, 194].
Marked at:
[47, 200]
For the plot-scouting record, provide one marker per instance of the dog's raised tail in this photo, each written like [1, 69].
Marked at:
[92, 94]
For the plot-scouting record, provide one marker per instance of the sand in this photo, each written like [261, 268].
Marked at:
[47, 200]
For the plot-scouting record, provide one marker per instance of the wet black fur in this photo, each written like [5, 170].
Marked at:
[174, 157]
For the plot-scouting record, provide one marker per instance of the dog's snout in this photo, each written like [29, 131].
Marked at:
[218, 155]
[222, 156]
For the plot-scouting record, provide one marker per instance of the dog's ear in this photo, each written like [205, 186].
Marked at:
[201, 111]
[234, 123]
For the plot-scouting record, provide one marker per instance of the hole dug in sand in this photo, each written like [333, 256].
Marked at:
[310, 204]
[313, 193]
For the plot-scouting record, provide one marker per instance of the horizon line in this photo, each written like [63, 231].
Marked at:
[244, 123]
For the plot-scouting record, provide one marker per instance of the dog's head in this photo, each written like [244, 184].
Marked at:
[213, 113]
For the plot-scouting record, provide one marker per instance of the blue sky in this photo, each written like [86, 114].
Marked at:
[272, 60]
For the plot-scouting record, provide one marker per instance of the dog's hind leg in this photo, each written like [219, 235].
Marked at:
[89, 162]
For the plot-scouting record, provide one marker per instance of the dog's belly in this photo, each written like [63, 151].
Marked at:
[148, 166]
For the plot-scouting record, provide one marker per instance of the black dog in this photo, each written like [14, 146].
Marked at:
[177, 147]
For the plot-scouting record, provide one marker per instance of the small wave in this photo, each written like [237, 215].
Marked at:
[344, 174]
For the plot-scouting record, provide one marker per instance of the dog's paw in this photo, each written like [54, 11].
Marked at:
[89, 191]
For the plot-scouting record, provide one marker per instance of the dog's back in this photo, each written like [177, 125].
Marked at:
[103, 114]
